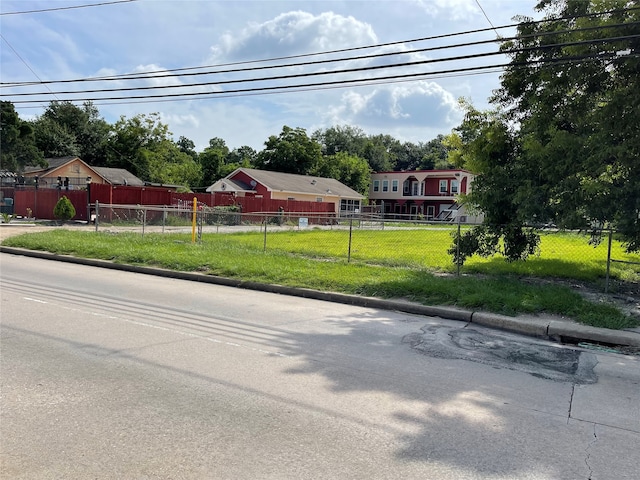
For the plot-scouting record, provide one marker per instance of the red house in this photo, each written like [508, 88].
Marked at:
[267, 185]
[430, 194]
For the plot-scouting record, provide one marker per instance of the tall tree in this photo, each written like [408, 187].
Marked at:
[66, 129]
[169, 165]
[378, 154]
[572, 86]
[17, 142]
[212, 159]
[54, 139]
[565, 146]
[487, 146]
[342, 138]
[132, 139]
[290, 152]
[244, 157]
[186, 145]
[436, 155]
[351, 170]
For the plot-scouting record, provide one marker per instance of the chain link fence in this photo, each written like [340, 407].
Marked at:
[369, 239]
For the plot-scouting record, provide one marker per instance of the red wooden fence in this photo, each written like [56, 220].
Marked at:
[42, 201]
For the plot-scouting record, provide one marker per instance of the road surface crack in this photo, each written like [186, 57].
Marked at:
[573, 390]
[586, 460]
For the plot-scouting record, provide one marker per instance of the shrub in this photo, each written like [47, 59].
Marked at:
[64, 209]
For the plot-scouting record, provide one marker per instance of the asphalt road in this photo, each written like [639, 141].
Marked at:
[109, 374]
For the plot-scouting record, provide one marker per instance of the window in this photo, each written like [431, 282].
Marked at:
[414, 189]
[349, 206]
[443, 186]
[318, 199]
[385, 185]
[454, 186]
[394, 185]
[376, 185]
[422, 188]
[405, 187]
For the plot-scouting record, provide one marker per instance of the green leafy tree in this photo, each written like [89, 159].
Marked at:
[17, 141]
[564, 144]
[64, 209]
[488, 147]
[351, 170]
[342, 138]
[379, 152]
[54, 139]
[290, 152]
[171, 166]
[65, 129]
[133, 139]
[242, 157]
[212, 160]
[435, 155]
[578, 109]
[187, 146]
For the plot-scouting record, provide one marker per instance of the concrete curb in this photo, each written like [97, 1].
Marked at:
[536, 327]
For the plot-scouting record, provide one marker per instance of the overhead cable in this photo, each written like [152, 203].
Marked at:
[343, 71]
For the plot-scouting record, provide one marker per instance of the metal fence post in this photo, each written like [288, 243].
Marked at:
[265, 234]
[144, 220]
[606, 284]
[97, 220]
[458, 250]
[350, 236]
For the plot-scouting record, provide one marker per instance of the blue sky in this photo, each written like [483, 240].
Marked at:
[156, 35]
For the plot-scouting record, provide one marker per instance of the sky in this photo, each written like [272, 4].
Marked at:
[154, 38]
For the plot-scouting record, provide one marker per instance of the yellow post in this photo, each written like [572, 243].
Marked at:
[193, 220]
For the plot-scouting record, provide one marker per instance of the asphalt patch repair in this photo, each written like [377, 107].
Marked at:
[504, 350]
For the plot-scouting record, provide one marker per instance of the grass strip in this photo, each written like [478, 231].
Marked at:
[241, 256]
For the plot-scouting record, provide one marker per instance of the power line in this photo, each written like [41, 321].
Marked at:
[295, 89]
[414, 76]
[345, 71]
[163, 74]
[67, 8]
[139, 75]
[25, 63]
[487, 17]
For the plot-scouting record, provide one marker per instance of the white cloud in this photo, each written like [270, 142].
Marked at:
[294, 33]
[452, 9]
[159, 36]
[420, 104]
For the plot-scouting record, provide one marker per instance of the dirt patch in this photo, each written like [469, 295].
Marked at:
[12, 229]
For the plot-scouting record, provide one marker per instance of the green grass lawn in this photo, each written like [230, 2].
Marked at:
[406, 264]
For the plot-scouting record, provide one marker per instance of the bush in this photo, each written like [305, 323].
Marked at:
[64, 209]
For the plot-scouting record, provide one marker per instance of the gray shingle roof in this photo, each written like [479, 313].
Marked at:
[52, 163]
[118, 176]
[289, 182]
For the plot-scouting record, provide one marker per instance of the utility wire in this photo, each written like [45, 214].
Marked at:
[415, 76]
[137, 75]
[56, 9]
[345, 71]
[26, 64]
[163, 74]
[487, 17]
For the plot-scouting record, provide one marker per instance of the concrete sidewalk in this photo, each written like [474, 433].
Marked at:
[549, 327]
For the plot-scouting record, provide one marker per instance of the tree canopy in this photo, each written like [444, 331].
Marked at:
[144, 145]
[290, 152]
[17, 141]
[563, 145]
